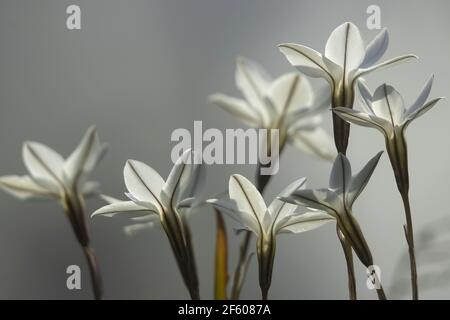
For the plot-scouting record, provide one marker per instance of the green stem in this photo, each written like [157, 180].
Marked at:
[409, 234]
[346, 247]
[94, 271]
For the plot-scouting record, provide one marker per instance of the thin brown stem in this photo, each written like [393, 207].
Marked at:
[409, 234]
[94, 271]
[346, 247]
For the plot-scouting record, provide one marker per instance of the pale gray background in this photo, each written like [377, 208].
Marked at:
[138, 70]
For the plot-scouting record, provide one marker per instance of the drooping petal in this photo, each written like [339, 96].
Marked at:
[388, 104]
[248, 199]
[376, 49]
[341, 173]
[290, 92]
[421, 111]
[43, 163]
[84, 158]
[314, 142]
[345, 47]
[318, 199]
[144, 183]
[389, 63]
[24, 187]
[305, 222]
[421, 99]
[360, 180]
[126, 208]
[238, 108]
[230, 208]
[253, 81]
[307, 61]
[363, 119]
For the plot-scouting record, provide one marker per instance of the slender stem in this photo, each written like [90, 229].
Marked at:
[409, 234]
[346, 247]
[381, 294]
[264, 293]
[94, 271]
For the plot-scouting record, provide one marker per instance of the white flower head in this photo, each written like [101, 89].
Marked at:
[154, 201]
[247, 206]
[337, 200]
[345, 60]
[287, 103]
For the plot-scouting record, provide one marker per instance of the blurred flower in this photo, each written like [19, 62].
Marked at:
[385, 111]
[152, 199]
[344, 62]
[247, 206]
[287, 103]
[52, 177]
[337, 200]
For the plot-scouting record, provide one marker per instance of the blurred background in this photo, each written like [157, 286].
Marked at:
[140, 69]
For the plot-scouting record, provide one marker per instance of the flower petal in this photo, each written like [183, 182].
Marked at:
[345, 47]
[185, 180]
[421, 99]
[290, 92]
[387, 103]
[84, 158]
[318, 199]
[253, 82]
[360, 180]
[248, 199]
[307, 61]
[365, 97]
[127, 208]
[43, 163]
[305, 222]
[363, 119]
[376, 49]
[144, 183]
[238, 108]
[389, 63]
[341, 173]
[421, 111]
[314, 142]
[133, 229]
[24, 187]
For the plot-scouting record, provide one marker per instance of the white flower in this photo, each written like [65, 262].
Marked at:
[345, 60]
[155, 201]
[337, 200]
[385, 111]
[247, 206]
[287, 103]
[52, 177]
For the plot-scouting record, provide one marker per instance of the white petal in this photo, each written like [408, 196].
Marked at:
[345, 47]
[238, 108]
[421, 111]
[185, 180]
[305, 222]
[307, 61]
[127, 208]
[376, 49]
[229, 207]
[84, 158]
[315, 142]
[133, 229]
[387, 103]
[253, 82]
[389, 63]
[24, 187]
[363, 119]
[341, 173]
[319, 199]
[248, 199]
[290, 92]
[421, 99]
[359, 181]
[365, 97]
[144, 183]
[43, 163]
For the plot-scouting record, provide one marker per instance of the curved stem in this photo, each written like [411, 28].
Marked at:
[94, 271]
[409, 234]
[346, 247]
